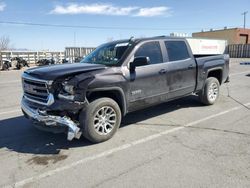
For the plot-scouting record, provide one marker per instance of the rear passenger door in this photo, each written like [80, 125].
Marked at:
[181, 73]
[149, 85]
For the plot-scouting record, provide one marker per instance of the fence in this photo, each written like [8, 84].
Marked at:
[72, 53]
[77, 52]
[31, 56]
[238, 50]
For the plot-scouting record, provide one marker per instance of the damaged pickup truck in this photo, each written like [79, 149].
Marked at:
[91, 97]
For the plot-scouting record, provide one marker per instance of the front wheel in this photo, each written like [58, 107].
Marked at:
[210, 92]
[100, 120]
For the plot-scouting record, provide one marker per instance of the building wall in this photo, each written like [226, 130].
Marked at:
[233, 36]
[243, 36]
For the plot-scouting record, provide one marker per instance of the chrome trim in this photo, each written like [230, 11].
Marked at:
[28, 77]
[50, 100]
[51, 120]
[68, 97]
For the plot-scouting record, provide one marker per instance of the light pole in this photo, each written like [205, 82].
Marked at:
[244, 14]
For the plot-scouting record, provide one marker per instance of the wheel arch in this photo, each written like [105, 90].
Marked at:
[216, 73]
[114, 93]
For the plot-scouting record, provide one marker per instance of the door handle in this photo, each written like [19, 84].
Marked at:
[190, 66]
[162, 71]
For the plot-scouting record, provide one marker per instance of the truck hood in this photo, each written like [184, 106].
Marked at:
[52, 72]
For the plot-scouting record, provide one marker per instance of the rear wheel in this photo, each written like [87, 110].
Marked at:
[100, 120]
[210, 92]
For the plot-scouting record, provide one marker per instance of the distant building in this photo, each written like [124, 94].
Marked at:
[73, 53]
[233, 35]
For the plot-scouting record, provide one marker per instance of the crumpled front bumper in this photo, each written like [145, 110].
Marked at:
[52, 120]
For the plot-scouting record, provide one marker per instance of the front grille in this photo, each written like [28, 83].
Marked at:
[36, 90]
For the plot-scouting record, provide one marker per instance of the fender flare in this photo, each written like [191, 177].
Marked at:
[121, 92]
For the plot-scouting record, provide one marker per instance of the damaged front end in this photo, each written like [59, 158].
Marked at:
[52, 120]
[55, 105]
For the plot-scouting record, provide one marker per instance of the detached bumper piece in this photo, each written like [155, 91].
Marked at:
[52, 121]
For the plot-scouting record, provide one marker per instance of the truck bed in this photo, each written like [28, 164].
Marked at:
[206, 62]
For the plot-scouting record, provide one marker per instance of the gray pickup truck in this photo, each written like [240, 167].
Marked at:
[91, 97]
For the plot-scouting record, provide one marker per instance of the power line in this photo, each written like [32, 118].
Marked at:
[96, 27]
[85, 26]
[78, 26]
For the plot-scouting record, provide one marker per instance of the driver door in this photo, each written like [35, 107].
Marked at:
[149, 84]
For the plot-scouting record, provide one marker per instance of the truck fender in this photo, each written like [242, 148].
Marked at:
[81, 83]
[215, 72]
[112, 89]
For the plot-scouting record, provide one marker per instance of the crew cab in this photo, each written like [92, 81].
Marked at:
[91, 97]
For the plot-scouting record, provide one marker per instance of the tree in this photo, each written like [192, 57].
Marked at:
[4, 43]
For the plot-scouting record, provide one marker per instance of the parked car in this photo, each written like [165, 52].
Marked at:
[6, 64]
[78, 59]
[43, 62]
[20, 62]
[117, 78]
[65, 60]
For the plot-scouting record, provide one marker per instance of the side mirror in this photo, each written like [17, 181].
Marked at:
[139, 61]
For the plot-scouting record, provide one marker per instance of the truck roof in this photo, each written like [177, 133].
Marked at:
[160, 37]
[136, 40]
[199, 46]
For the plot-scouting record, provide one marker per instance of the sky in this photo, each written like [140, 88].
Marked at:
[91, 23]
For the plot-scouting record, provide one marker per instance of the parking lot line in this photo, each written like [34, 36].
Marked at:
[10, 112]
[239, 73]
[119, 148]
[9, 82]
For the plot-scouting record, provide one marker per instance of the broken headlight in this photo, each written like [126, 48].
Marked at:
[68, 88]
[67, 92]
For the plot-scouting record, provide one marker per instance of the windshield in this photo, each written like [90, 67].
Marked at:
[108, 54]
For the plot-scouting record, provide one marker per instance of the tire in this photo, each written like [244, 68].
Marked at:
[18, 66]
[100, 120]
[210, 92]
[5, 66]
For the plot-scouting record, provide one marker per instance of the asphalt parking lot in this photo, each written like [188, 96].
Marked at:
[177, 144]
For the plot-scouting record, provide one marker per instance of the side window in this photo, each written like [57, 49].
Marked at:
[177, 50]
[151, 50]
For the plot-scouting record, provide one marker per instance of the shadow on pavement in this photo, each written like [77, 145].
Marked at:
[142, 115]
[17, 134]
